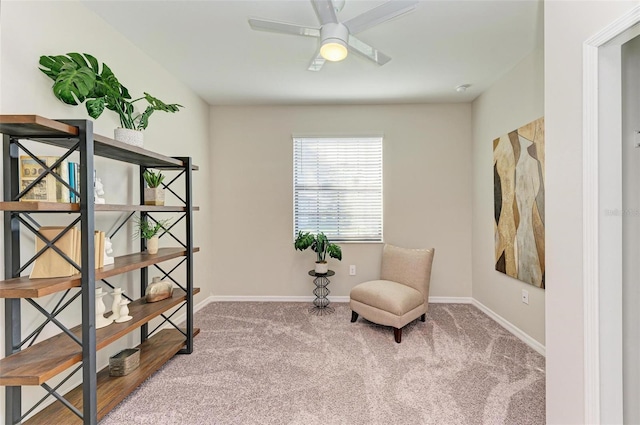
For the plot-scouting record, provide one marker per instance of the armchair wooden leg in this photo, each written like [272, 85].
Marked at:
[397, 333]
[423, 317]
[354, 316]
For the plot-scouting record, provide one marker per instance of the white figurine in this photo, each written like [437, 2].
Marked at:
[108, 249]
[101, 321]
[98, 191]
[115, 305]
[124, 312]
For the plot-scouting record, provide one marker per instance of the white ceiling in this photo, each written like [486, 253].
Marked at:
[209, 46]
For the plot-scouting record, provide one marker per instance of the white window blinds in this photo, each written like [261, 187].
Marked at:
[338, 187]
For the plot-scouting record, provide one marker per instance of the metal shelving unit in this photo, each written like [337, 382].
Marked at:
[29, 361]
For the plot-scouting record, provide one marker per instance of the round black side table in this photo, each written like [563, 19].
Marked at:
[321, 303]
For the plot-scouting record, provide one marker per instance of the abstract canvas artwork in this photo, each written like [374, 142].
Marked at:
[518, 176]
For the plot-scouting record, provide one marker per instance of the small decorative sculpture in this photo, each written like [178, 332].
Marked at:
[101, 321]
[108, 250]
[124, 312]
[158, 290]
[115, 305]
[98, 189]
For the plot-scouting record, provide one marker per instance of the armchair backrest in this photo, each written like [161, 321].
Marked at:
[411, 267]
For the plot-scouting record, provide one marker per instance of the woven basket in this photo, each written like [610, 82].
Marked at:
[124, 362]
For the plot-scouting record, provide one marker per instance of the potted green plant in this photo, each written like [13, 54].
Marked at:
[78, 78]
[153, 193]
[321, 246]
[148, 229]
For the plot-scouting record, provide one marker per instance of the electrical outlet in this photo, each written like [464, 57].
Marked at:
[525, 296]
[352, 270]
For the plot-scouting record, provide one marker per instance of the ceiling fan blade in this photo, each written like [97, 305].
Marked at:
[283, 27]
[316, 63]
[325, 11]
[371, 53]
[378, 15]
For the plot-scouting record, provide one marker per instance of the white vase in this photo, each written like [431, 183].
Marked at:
[152, 245]
[128, 136]
[101, 321]
[322, 268]
[153, 196]
[115, 305]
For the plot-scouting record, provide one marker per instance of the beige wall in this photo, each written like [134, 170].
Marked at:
[31, 29]
[567, 25]
[427, 194]
[516, 99]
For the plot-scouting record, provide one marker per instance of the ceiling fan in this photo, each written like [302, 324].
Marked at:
[337, 38]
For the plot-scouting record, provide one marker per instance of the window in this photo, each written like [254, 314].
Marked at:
[337, 185]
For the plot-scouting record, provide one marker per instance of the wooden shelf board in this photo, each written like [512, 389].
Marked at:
[35, 126]
[23, 287]
[193, 167]
[110, 148]
[75, 207]
[44, 360]
[39, 206]
[57, 133]
[111, 390]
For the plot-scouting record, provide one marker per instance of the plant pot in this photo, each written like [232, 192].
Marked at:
[128, 136]
[152, 245]
[154, 196]
[322, 267]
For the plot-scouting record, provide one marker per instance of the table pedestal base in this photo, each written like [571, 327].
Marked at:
[321, 303]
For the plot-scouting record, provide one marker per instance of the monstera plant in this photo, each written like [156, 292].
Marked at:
[321, 246]
[79, 78]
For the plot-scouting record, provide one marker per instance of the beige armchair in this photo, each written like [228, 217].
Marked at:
[402, 293]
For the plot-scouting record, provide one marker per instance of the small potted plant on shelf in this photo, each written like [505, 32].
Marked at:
[321, 246]
[149, 230]
[78, 78]
[153, 193]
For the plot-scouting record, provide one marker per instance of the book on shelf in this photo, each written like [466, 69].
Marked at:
[99, 248]
[74, 180]
[73, 166]
[52, 264]
[48, 189]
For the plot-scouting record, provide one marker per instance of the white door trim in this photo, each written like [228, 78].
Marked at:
[597, 121]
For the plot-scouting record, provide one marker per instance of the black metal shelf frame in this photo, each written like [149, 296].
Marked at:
[14, 342]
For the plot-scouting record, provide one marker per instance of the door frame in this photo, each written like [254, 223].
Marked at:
[602, 230]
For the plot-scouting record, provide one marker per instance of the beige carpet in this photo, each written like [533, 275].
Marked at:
[274, 363]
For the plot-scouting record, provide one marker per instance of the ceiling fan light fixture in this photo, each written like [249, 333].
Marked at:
[334, 38]
[334, 50]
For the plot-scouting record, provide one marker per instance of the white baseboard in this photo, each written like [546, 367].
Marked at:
[345, 299]
[309, 298]
[450, 300]
[511, 327]
[275, 298]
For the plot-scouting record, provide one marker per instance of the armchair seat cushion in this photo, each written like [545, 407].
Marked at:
[388, 296]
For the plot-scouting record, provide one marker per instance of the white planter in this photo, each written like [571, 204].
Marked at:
[128, 136]
[322, 268]
[152, 245]
[153, 196]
